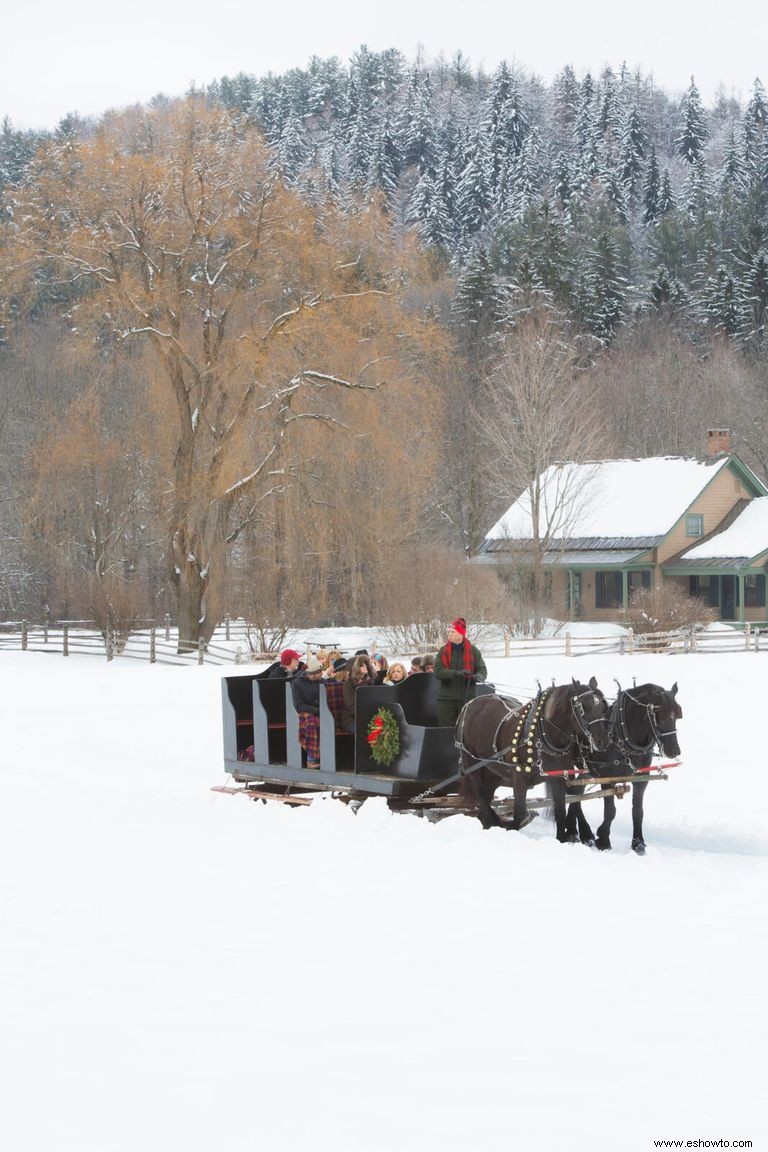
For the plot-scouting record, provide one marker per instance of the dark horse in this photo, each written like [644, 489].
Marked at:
[640, 721]
[523, 742]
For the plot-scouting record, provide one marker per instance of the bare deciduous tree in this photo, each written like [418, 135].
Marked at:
[541, 410]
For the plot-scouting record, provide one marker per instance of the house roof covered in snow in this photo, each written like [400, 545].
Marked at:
[743, 539]
[635, 501]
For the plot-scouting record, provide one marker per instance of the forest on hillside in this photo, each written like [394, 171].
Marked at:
[262, 345]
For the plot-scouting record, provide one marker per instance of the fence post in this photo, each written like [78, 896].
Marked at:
[108, 642]
[226, 626]
[23, 635]
[65, 640]
[747, 633]
[152, 648]
[692, 641]
[630, 641]
[167, 625]
[200, 652]
[46, 618]
[622, 645]
[757, 639]
[568, 644]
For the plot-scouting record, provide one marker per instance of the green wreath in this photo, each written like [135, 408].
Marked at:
[384, 737]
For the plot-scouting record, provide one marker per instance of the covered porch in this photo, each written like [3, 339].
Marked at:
[594, 585]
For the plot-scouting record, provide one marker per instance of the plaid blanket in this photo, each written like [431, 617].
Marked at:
[335, 693]
[309, 735]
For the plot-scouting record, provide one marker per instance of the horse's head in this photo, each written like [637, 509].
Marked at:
[664, 712]
[591, 712]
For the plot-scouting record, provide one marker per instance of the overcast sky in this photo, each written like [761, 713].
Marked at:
[90, 55]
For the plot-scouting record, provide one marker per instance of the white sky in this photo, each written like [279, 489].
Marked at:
[90, 55]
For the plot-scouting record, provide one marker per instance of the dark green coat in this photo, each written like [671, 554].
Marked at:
[453, 690]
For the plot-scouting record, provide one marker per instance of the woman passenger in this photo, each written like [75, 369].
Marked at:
[396, 674]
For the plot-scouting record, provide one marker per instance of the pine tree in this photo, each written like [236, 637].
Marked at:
[755, 115]
[474, 197]
[652, 190]
[752, 289]
[293, 150]
[632, 153]
[478, 300]
[667, 199]
[693, 133]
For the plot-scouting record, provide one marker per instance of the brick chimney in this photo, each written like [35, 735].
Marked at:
[718, 443]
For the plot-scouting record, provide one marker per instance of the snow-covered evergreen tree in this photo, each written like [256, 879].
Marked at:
[693, 130]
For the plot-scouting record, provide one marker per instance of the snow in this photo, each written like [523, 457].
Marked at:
[624, 498]
[747, 536]
[186, 970]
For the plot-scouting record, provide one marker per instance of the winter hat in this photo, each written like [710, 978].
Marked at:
[313, 665]
[289, 654]
[460, 625]
[340, 663]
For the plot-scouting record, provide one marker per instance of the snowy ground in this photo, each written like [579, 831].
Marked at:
[185, 970]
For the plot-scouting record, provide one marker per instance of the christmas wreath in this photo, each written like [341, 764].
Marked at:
[384, 737]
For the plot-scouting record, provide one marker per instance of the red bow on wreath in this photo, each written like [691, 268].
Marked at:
[377, 726]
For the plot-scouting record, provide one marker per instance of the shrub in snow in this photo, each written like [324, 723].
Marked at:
[665, 608]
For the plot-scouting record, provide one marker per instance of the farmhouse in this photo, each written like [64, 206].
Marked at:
[608, 527]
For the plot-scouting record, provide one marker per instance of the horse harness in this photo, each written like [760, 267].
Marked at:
[530, 736]
[619, 729]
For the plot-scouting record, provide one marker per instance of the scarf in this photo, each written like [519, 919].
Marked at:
[469, 659]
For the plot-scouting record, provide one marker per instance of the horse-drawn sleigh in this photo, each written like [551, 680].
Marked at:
[568, 738]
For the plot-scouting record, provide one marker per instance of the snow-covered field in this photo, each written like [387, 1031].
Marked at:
[182, 970]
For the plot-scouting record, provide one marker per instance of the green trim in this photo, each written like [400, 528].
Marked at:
[720, 570]
[591, 566]
[747, 476]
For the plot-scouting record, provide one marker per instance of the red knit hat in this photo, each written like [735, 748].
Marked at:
[460, 625]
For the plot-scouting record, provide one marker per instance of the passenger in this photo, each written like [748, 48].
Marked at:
[396, 674]
[338, 670]
[416, 665]
[305, 689]
[333, 656]
[286, 667]
[428, 664]
[380, 667]
[459, 667]
[362, 673]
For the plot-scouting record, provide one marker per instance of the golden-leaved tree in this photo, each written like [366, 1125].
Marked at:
[255, 317]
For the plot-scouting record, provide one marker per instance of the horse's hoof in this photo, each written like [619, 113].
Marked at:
[603, 845]
[571, 838]
[589, 842]
[526, 820]
[638, 846]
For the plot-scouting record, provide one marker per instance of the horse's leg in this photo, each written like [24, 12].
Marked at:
[609, 815]
[576, 822]
[521, 815]
[638, 792]
[558, 795]
[478, 788]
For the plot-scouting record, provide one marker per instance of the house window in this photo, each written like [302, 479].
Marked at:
[694, 525]
[707, 588]
[639, 580]
[608, 591]
[754, 591]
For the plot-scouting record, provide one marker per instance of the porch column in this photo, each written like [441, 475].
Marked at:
[740, 579]
[570, 593]
[624, 588]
